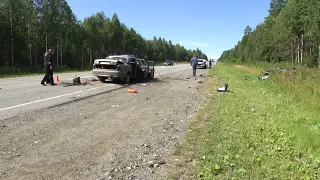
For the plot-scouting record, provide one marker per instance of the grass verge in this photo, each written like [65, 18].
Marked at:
[259, 130]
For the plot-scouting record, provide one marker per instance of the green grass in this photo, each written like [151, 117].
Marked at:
[259, 130]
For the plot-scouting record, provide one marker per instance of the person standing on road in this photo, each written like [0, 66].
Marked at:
[48, 62]
[194, 64]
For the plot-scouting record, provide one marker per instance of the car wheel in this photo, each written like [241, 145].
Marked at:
[127, 78]
[102, 79]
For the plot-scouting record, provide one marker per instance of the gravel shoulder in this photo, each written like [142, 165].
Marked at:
[92, 139]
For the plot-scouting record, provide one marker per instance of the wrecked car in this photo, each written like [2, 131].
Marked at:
[122, 67]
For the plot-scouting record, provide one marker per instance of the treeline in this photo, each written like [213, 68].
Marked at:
[29, 27]
[290, 33]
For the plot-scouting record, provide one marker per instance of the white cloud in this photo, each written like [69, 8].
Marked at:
[198, 44]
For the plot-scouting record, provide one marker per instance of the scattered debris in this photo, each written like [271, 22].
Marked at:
[267, 72]
[3, 126]
[113, 106]
[200, 81]
[263, 77]
[142, 84]
[132, 90]
[221, 89]
[76, 80]
[154, 164]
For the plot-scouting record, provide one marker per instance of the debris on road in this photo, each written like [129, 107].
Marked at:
[154, 164]
[113, 106]
[76, 80]
[132, 90]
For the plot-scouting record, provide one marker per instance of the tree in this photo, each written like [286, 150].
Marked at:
[289, 33]
[247, 30]
[29, 27]
[276, 6]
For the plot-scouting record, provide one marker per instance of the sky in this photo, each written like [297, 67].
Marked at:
[211, 25]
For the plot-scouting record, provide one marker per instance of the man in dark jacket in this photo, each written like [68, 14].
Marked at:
[48, 62]
[194, 64]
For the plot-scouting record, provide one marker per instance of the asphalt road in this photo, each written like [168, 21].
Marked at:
[18, 95]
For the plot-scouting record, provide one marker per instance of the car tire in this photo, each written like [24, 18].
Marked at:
[127, 78]
[102, 79]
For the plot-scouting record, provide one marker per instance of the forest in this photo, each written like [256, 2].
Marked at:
[29, 27]
[289, 34]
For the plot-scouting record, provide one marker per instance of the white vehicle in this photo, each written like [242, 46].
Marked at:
[202, 63]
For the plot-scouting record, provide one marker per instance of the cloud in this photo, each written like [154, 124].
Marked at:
[198, 44]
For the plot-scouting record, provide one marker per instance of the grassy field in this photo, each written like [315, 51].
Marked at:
[258, 130]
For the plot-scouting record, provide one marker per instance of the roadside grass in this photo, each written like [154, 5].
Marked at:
[259, 130]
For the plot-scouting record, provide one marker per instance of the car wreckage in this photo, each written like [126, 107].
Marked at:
[124, 68]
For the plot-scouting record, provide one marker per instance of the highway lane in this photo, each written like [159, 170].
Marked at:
[22, 94]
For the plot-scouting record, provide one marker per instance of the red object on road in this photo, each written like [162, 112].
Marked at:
[132, 90]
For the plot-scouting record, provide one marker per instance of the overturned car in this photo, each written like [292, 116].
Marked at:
[123, 67]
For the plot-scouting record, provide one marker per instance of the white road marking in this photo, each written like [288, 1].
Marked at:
[55, 97]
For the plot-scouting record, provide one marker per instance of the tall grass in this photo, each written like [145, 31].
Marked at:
[260, 129]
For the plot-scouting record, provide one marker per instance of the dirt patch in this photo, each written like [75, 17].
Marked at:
[116, 135]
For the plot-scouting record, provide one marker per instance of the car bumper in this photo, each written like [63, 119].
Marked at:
[112, 74]
[201, 65]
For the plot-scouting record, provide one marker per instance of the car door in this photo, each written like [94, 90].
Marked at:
[144, 67]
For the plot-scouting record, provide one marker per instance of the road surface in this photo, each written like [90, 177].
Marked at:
[96, 131]
[23, 94]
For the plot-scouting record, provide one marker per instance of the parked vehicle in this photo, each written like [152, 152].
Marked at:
[122, 67]
[168, 63]
[202, 63]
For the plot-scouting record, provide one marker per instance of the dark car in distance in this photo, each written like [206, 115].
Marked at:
[168, 63]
